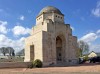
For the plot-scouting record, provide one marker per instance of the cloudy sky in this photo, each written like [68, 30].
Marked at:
[18, 16]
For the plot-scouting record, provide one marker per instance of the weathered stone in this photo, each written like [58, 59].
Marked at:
[51, 40]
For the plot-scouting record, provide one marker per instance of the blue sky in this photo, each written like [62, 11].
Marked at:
[18, 16]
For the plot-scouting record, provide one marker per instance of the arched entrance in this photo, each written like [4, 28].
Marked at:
[59, 51]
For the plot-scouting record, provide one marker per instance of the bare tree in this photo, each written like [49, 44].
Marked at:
[7, 50]
[3, 50]
[10, 51]
[84, 47]
[21, 52]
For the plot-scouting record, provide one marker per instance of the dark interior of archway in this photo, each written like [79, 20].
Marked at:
[58, 49]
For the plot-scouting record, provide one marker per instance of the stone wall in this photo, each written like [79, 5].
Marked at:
[14, 64]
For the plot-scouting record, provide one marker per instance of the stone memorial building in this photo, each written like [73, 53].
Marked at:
[51, 40]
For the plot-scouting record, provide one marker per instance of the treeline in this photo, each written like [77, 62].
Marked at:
[21, 52]
[7, 50]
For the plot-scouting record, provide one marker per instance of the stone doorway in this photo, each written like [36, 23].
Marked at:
[31, 52]
[58, 49]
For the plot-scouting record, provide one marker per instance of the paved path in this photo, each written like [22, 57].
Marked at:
[80, 69]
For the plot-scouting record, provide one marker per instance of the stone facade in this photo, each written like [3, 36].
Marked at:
[51, 39]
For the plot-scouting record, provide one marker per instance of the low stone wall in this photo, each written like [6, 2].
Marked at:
[14, 64]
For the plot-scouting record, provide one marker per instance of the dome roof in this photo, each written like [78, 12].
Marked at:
[50, 9]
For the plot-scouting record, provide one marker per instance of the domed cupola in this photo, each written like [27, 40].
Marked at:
[50, 9]
[51, 13]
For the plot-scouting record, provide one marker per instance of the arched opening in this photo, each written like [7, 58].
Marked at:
[59, 49]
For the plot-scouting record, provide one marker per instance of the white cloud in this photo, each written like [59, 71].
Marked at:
[16, 44]
[2, 38]
[91, 38]
[72, 28]
[96, 10]
[20, 30]
[3, 28]
[98, 32]
[22, 17]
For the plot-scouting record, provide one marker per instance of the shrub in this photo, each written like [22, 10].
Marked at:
[30, 65]
[86, 58]
[37, 63]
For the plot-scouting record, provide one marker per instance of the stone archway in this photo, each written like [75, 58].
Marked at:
[59, 52]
